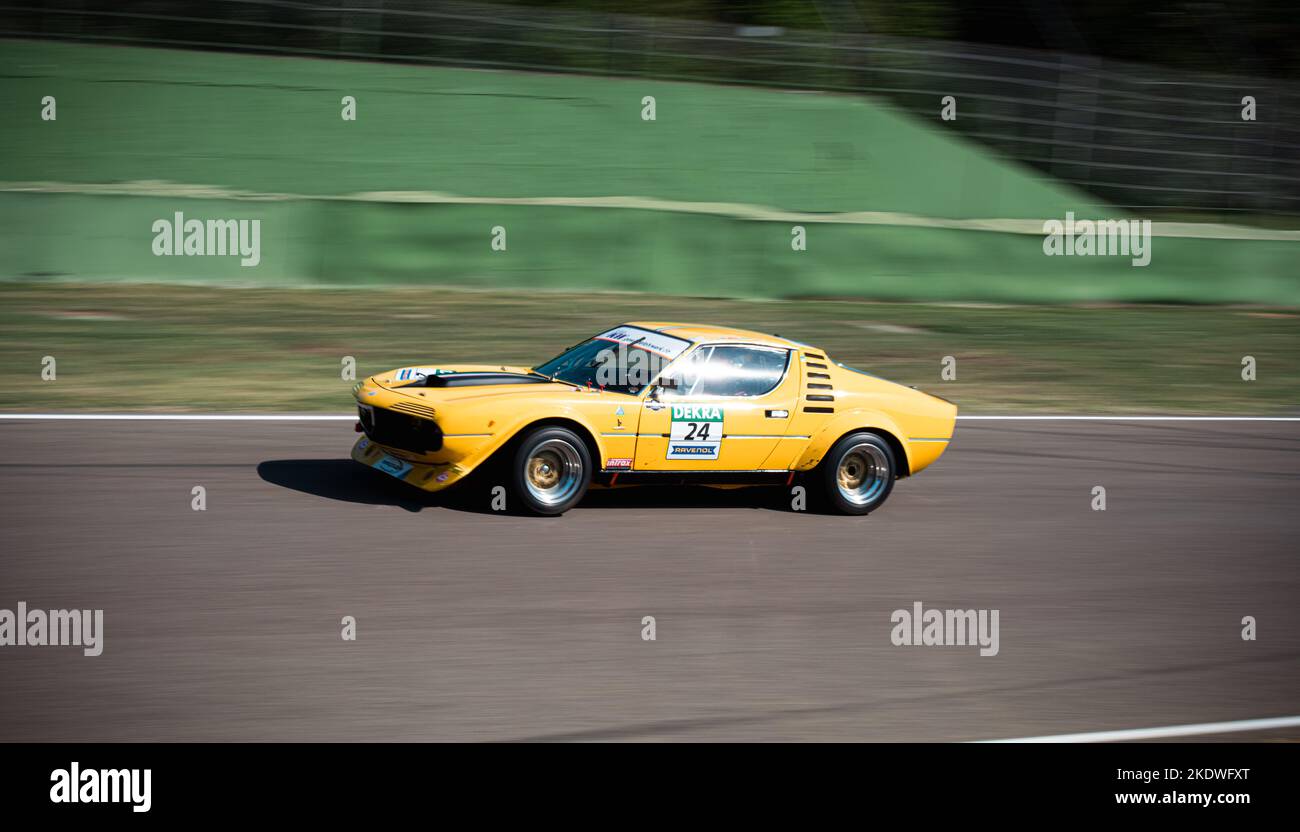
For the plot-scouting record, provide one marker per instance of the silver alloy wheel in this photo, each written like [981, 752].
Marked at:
[553, 472]
[863, 474]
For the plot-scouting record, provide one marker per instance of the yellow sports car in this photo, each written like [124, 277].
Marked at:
[654, 403]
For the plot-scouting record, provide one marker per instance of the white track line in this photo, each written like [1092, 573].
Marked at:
[1132, 418]
[1170, 731]
[180, 417]
[339, 417]
[349, 416]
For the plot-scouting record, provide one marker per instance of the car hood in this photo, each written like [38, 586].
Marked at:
[452, 382]
[403, 376]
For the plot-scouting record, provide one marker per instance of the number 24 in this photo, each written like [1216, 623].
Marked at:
[697, 432]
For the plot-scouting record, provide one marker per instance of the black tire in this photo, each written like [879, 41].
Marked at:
[857, 475]
[549, 455]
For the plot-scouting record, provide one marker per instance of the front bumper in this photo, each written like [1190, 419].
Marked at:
[427, 476]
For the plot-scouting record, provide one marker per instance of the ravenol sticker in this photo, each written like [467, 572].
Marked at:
[696, 432]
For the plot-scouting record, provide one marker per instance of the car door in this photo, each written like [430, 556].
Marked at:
[729, 410]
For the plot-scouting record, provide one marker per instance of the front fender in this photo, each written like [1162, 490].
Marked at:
[562, 413]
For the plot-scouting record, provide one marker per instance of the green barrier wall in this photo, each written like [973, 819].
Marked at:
[328, 243]
[272, 126]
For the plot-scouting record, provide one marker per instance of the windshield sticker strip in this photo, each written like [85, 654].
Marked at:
[668, 346]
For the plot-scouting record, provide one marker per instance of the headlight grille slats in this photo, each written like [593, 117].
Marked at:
[413, 409]
[403, 430]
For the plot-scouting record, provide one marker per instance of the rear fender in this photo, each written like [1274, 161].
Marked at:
[846, 423]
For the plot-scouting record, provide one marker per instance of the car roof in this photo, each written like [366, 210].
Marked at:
[715, 334]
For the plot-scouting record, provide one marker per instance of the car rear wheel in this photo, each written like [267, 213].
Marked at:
[550, 472]
[858, 474]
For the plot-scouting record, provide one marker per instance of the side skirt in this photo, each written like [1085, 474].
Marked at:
[617, 477]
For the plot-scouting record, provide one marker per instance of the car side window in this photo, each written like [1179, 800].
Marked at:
[742, 371]
[688, 373]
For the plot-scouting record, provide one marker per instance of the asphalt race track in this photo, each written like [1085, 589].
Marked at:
[771, 624]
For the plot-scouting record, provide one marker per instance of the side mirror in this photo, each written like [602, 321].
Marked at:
[664, 383]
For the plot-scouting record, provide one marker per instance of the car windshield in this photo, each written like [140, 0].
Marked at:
[623, 360]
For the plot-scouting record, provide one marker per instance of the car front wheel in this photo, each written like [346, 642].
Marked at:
[551, 471]
[858, 474]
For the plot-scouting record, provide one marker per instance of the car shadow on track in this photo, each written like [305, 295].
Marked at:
[345, 480]
[349, 482]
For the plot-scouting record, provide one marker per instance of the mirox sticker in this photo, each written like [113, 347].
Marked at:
[619, 462]
[696, 432]
[396, 467]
